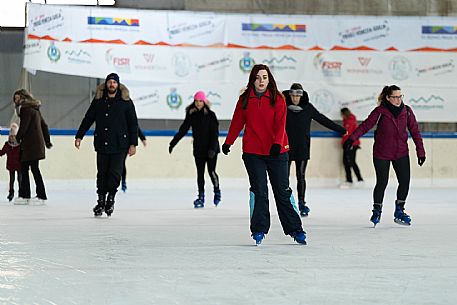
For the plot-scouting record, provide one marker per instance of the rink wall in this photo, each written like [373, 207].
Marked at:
[63, 161]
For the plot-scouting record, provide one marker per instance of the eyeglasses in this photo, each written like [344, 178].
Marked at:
[397, 97]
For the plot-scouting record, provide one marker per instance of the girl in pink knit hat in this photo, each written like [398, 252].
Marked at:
[205, 133]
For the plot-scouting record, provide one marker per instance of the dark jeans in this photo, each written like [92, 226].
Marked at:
[257, 168]
[24, 187]
[349, 162]
[200, 163]
[300, 169]
[402, 170]
[13, 178]
[109, 171]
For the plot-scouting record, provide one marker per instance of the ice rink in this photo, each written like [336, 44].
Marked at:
[157, 249]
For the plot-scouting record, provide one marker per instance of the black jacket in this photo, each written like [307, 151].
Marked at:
[205, 131]
[116, 124]
[298, 125]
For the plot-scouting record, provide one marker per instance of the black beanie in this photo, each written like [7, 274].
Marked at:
[113, 76]
[296, 86]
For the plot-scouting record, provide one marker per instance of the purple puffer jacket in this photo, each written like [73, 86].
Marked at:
[391, 140]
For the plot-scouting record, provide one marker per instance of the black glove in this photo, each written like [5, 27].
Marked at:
[170, 148]
[48, 145]
[211, 153]
[421, 160]
[348, 144]
[275, 150]
[225, 148]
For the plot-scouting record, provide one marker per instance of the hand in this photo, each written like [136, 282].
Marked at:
[275, 150]
[77, 143]
[225, 148]
[170, 149]
[48, 145]
[421, 160]
[348, 144]
[132, 150]
[211, 153]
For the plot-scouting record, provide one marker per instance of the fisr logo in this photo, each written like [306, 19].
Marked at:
[121, 61]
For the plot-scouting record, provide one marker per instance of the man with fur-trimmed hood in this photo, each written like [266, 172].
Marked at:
[116, 134]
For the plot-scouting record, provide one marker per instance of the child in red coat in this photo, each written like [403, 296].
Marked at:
[13, 163]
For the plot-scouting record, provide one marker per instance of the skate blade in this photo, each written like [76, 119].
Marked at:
[398, 221]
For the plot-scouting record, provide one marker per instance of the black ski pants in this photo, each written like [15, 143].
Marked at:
[402, 170]
[109, 171]
[200, 164]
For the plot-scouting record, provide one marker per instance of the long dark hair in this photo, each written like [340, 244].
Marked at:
[386, 91]
[345, 112]
[191, 108]
[250, 86]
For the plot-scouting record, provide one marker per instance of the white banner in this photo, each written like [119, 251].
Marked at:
[165, 56]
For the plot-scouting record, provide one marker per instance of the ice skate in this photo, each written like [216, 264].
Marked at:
[217, 197]
[299, 236]
[258, 237]
[124, 186]
[109, 207]
[400, 216]
[21, 201]
[200, 201]
[100, 207]
[10, 196]
[37, 201]
[304, 210]
[376, 217]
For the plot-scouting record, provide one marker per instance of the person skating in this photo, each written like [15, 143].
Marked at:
[300, 113]
[13, 160]
[116, 134]
[349, 155]
[394, 119]
[205, 133]
[124, 171]
[261, 112]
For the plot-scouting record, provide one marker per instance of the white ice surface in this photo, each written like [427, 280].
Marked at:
[157, 249]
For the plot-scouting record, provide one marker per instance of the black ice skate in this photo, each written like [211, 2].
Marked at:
[100, 207]
[200, 201]
[376, 217]
[109, 207]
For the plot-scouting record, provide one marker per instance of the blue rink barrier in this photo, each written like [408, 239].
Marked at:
[223, 133]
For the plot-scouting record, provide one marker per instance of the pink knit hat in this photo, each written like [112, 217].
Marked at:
[200, 95]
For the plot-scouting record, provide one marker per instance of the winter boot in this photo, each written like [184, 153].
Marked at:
[299, 236]
[100, 207]
[10, 195]
[377, 210]
[200, 201]
[400, 216]
[217, 197]
[258, 237]
[304, 210]
[109, 207]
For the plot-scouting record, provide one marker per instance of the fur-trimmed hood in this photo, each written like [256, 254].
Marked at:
[30, 103]
[125, 94]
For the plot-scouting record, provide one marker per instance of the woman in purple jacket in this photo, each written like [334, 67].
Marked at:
[394, 119]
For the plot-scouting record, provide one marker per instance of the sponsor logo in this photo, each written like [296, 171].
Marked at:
[78, 57]
[147, 99]
[182, 64]
[439, 30]
[365, 33]
[364, 68]
[361, 102]
[174, 100]
[113, 21]
[328, 68]
[48, 21]
[446, 67]
[283, 63]
[32, 47]
[119, 63]
[216, 64]
[192, 30]
[271, 27]
[148, 63]
[323, 100]
[53, 53]
[400, 68]
[246, 63]
[426, 103]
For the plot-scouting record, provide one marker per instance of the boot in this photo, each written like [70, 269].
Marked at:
[100, 207]
[217, 197]
[200, 201]
[304, 210]
[109, 207]
[10, 195]
[377, 210]
[400, 216]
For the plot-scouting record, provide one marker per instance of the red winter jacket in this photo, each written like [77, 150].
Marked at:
[391, 139]
[13, 162]
[350, 124]
[263, 125]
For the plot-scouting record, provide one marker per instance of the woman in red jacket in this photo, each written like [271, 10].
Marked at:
[394, 119]
[261, 111]
[350, 124]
